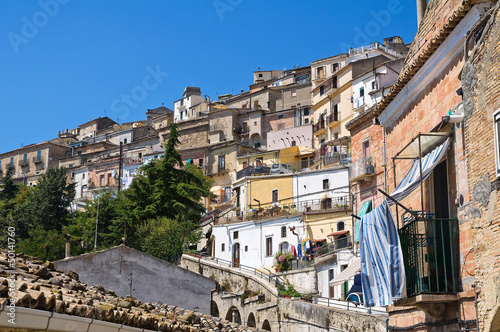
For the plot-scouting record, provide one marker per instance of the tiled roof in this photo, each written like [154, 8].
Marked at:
[441, 16]
[39, 286]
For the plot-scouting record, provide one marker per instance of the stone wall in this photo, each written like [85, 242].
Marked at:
[481, 89]
[304, 280]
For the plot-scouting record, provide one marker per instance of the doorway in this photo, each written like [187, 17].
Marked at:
[236, 255]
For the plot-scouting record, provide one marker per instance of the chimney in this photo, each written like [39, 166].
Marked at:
[241, 90]
[68, 245]
[421, 6]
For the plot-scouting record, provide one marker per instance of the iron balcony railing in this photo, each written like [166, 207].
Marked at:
[338, 244]
[361, 167]
[430, 252]
[318, 126]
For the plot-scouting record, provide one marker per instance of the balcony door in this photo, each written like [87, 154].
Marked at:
[236, 255]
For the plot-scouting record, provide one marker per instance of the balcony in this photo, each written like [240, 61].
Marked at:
[329, 205]
[37, 160]
[333, 119]
[334, 246]
[320, 76]
[358, 104]
[319, 128]
[221, 169]
[362, 170]
[133, 161]
[430, 249]
[24, 163]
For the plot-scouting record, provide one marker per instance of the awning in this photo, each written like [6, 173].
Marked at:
[428, 141]
[365, 208]
[303, 151]
[338, 233]
[412, 179]
[347, 274]
[318, 240]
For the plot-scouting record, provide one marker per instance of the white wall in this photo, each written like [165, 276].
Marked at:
[301, 135]
[344, 257]
[309, 185]
[253, 235]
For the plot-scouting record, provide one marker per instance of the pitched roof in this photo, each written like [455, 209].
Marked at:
[40, 287]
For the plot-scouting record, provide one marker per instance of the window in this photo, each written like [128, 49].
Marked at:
[283, 231]
[39, 155]
[306, 121]
[140, 155]
[284, 246]
[275, 196]
[320, 72]
[330, 274]
[374, 85]
[260, 75]
[102, 180]
[336, 112]
[255, 123]
[72, 175]
[334, 82]
[222, 163]
[366, 149]
[222, 247]
[269, 246]
[340, 226]
[362, 91]
[280, 116]
[235, 235]
[335, 67]
[25, 158]
[256, 104]
[246, 248]
[294, 143]
[325, 184]
[83, 176]
[182, 104]
[258, 161]
[496, 118]
[306, 111]
[245, 164]
[125, 141]
[293, 93]
[244, 106]
[257, 145]
[321, 90]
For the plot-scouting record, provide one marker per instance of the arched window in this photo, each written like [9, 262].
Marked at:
[340, 226]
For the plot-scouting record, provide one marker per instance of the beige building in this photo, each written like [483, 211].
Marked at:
[31, 161]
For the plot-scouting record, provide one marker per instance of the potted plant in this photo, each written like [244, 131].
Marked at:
[282, 261]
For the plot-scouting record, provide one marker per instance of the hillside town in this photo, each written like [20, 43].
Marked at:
[357, 193]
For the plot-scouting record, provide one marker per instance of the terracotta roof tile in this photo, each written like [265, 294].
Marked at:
[39, 286]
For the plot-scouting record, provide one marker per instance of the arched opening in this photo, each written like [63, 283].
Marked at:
[326, 204]
[284, 246]
[233, 315]
[340, 226]
[214, 309]
[251, 320]
[266, 326]
[236, 255]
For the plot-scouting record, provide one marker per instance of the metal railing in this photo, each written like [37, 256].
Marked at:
[430, 249]
[37, 160]
[333, 117]
[272, 210]
[318, 126]
[265, 275]
[362, 167]
[349, 306]
[358, 102]
[336, 245]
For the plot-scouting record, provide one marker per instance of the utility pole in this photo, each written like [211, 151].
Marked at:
[120, 168]
[96, 222]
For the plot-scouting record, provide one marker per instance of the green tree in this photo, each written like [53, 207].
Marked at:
[164, 188]
[43, 244]
[52, 197]
[166, 238]
[9, 189]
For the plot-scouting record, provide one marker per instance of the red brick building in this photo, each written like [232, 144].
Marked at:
[421, 111]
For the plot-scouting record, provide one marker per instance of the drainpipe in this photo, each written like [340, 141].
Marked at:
[421, 6]
[384, 159]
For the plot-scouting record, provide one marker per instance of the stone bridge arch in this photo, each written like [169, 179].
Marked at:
[214, 309]
[266, 326]
[251, 320]
[233, 315]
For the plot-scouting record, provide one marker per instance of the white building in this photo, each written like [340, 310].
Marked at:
[328, 268]
[313, 188]
[254, 243]
[191, 97]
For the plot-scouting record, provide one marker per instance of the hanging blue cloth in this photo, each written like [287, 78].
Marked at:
[299, 251]
[382, 268]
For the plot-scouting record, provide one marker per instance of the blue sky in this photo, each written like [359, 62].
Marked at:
[67, 61]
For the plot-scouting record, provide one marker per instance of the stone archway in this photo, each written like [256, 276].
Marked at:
[214, 309]
[251, 320]
[266, 326]
[233, 315]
